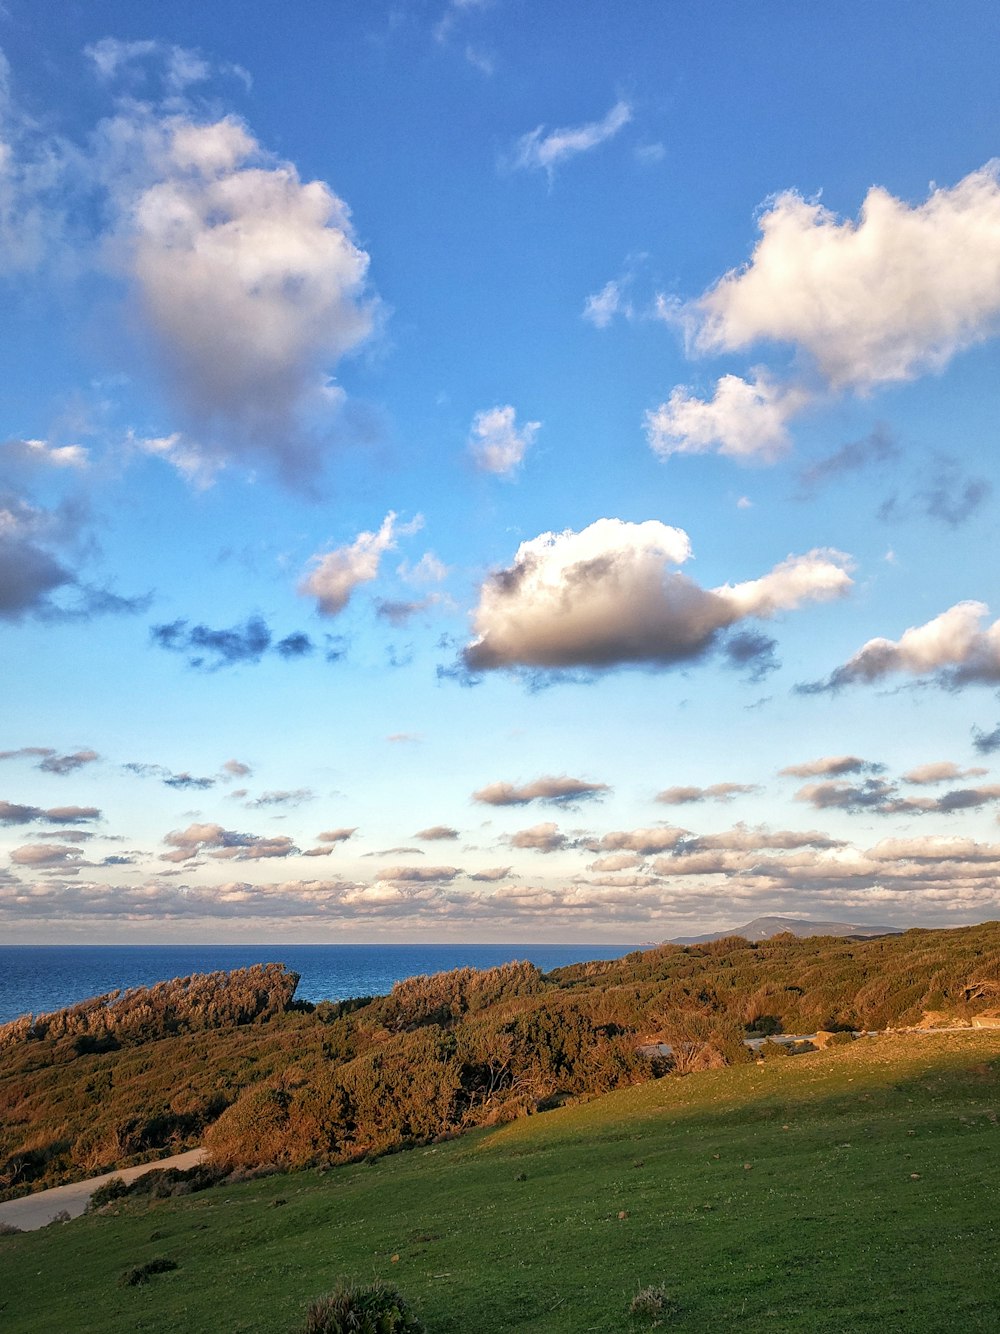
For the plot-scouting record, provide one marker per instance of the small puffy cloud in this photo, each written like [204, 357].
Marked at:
[180, 781]
[419, 874]
[336, 574]
[605, 597]
[223, 844]
[539, 838]
[247, 279]
[490, 875]
[437, 833]
[68, 764]
[555, 791]
[337, 835]
[880, 797]
[951, 497]
[831, 766]
[538, 150]
[237, 769]
[941, 771]
[986, 742]
[30, 570]
[600, 308]
[645, 842]
[682, 796]
[112, 59]
[42, 856]
[283, 797]
[744, 419]
[399, 612]
[211, 649]
[952, 650]
[617, 861]
[883, 299]
[754, 838]
[50, 761]
[428, 570]
[11, 813]
[496, 442]
[24, 457]
[875, 448]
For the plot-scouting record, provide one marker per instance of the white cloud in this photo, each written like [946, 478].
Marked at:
[539, 838]
[190, 460]
[604, 597]
[830, 766]
[883, 299]
[248, 280]
[546, 151]
[558, 791]
[28, 455]
[685, 796]
[335, 575]
[181, 66]
[601, 307]
[953, 649]
[496, 442]
[940, 771]
[744, 419]
[223, 844]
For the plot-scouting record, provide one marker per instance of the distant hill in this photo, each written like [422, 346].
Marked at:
[762, 928]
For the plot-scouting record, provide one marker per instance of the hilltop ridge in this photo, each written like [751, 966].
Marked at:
[763, 928]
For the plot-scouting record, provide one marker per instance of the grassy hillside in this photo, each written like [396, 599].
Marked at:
[233, 1062]
[848, 1190]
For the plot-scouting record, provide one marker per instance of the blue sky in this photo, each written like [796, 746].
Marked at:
[491, 471]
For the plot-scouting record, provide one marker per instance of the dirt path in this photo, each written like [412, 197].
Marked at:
[34, 1211]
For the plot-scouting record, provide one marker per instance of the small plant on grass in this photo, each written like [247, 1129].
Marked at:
[131, 1278]
[362, 1308]
[653, 1306]
[114, 1189]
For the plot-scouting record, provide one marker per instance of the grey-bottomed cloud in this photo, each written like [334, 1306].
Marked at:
[606, 597]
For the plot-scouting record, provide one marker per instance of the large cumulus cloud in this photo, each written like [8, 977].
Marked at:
[606, 597]
[247, 279]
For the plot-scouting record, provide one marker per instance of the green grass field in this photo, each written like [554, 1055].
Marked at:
[849, 1190]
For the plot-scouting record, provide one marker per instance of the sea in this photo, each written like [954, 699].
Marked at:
[35, 979]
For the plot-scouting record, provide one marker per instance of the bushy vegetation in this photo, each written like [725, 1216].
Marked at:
[867, 1208]
[142, 1273]
[232, 1060]
[355, 1308]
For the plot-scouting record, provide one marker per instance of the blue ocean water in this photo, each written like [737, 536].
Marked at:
[38, 978]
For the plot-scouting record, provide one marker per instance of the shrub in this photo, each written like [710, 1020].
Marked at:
[111, 1190]
[369, 1308]
[653, 1306]
[768, 1050]
[840, 1040]
[131, 1278]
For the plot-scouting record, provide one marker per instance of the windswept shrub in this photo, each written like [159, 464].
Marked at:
[112, 1190]
[653, 1306]
[702, 1039]
[160, 1264]
[354, 1308]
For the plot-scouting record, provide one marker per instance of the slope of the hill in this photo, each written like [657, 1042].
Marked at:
[233, 1062]
[851, 1189]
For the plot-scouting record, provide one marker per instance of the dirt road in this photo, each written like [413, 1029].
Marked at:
[34, 1211]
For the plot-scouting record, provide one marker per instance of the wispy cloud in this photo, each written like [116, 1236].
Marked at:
[544, 151]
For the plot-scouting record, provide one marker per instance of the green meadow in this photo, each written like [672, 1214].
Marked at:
[848, 1190]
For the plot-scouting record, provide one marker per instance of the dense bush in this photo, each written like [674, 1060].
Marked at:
[371, 1308]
